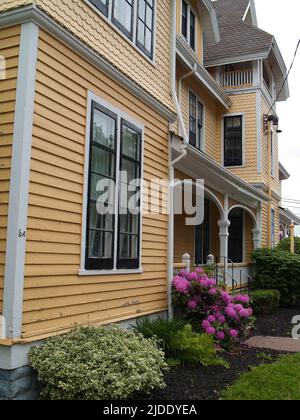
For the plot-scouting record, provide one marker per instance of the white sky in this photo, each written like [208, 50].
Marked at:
[281, 19]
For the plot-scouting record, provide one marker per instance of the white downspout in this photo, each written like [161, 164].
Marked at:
[182, 155]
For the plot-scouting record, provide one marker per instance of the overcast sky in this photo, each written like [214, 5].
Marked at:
[281, 19]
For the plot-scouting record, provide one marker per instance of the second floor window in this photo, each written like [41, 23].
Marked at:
[134, 18]
[196, 122]
[188, 24]
[233, 141]
[122, 16]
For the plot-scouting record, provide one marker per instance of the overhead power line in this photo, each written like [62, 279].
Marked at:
[286, 78]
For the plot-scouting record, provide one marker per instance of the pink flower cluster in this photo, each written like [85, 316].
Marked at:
[222, 315]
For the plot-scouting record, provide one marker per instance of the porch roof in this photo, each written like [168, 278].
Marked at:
[286, 216]
[198, 165]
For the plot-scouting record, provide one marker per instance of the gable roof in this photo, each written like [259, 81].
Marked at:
[238, 38]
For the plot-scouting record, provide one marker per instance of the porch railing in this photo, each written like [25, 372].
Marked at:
[184, 265]
[232, 276]
[237, 78]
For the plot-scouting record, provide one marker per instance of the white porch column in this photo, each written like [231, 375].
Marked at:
[256, 238]
[224, 235]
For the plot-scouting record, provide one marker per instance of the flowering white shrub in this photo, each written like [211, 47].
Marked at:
[98, 363]
[225, 317]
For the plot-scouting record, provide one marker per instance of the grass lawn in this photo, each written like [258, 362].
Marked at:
[277, 381]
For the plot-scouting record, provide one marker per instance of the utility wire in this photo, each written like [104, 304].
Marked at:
[286, 78]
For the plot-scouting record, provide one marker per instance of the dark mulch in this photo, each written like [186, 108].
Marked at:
[199, 383]
[278, 324]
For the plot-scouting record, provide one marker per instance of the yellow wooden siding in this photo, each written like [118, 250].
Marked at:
[10, 4]
[9, 49]
[90, 27]
[246, 104]
[55, 297]
[199, 29]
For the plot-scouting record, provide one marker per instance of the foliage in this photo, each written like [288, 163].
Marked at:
[285, 245]
[277, 381]
[100, 363]
[225, 317]
[194, 348]
[180, 343]
[265, 301]
[164, 330]
[279, 271]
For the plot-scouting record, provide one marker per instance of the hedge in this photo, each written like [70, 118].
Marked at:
[285, 245]
[265, 301]
[278, 270]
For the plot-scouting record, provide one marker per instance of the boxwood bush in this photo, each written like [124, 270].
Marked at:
[265, 301]
[98, 363]
[278, 270]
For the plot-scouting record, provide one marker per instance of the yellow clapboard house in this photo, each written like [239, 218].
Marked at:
[89, 88]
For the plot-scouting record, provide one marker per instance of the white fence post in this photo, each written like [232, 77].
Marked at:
[186, 259]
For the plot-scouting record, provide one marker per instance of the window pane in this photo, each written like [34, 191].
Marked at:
[128, 247]
[233, 141]
[100, 244]
[129, 224]
[131, 143]
[122, 15]
[103, 162]
[184, 19]
[145, 26]
[192, 31]
[98, 221]
[199, 125]
[193, 118]
[104, 129]
[101, 5]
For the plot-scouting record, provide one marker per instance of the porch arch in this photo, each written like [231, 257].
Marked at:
[250, 212]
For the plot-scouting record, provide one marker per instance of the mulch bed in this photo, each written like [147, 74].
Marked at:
[199, 383]
[278, 324]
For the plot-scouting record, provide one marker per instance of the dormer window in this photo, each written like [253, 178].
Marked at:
[188, 24]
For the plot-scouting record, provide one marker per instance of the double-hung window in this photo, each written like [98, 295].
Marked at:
[122, 16]
[233, 141]
[134, 18]
[188, 24]
[113, 201]
[196, 132]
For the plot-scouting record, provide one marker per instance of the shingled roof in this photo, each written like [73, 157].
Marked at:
[238, 38]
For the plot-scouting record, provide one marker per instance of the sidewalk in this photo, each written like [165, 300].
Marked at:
[275, 343]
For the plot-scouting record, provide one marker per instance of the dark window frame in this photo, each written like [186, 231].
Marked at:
[231, 162]
[118, 24]
[237, 218]
[184, 19]
[130, 263]
[203, 236]
[196, 138]
[99, 263]
[101, 7]
[192, 40]
[138, 19]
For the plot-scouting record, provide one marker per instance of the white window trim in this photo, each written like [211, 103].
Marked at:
[131, 42]
[202, 149]
[239, 114]
[121, 115]
[190, 9]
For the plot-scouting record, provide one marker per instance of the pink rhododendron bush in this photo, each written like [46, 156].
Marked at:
[226, 317]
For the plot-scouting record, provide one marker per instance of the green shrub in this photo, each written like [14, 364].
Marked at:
[278, 270]
[180, 343]
[163, 330]
[98, 364]
[285, 245]
[279, 381]
[265, 301]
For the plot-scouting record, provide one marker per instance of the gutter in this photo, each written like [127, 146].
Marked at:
[183, 154]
